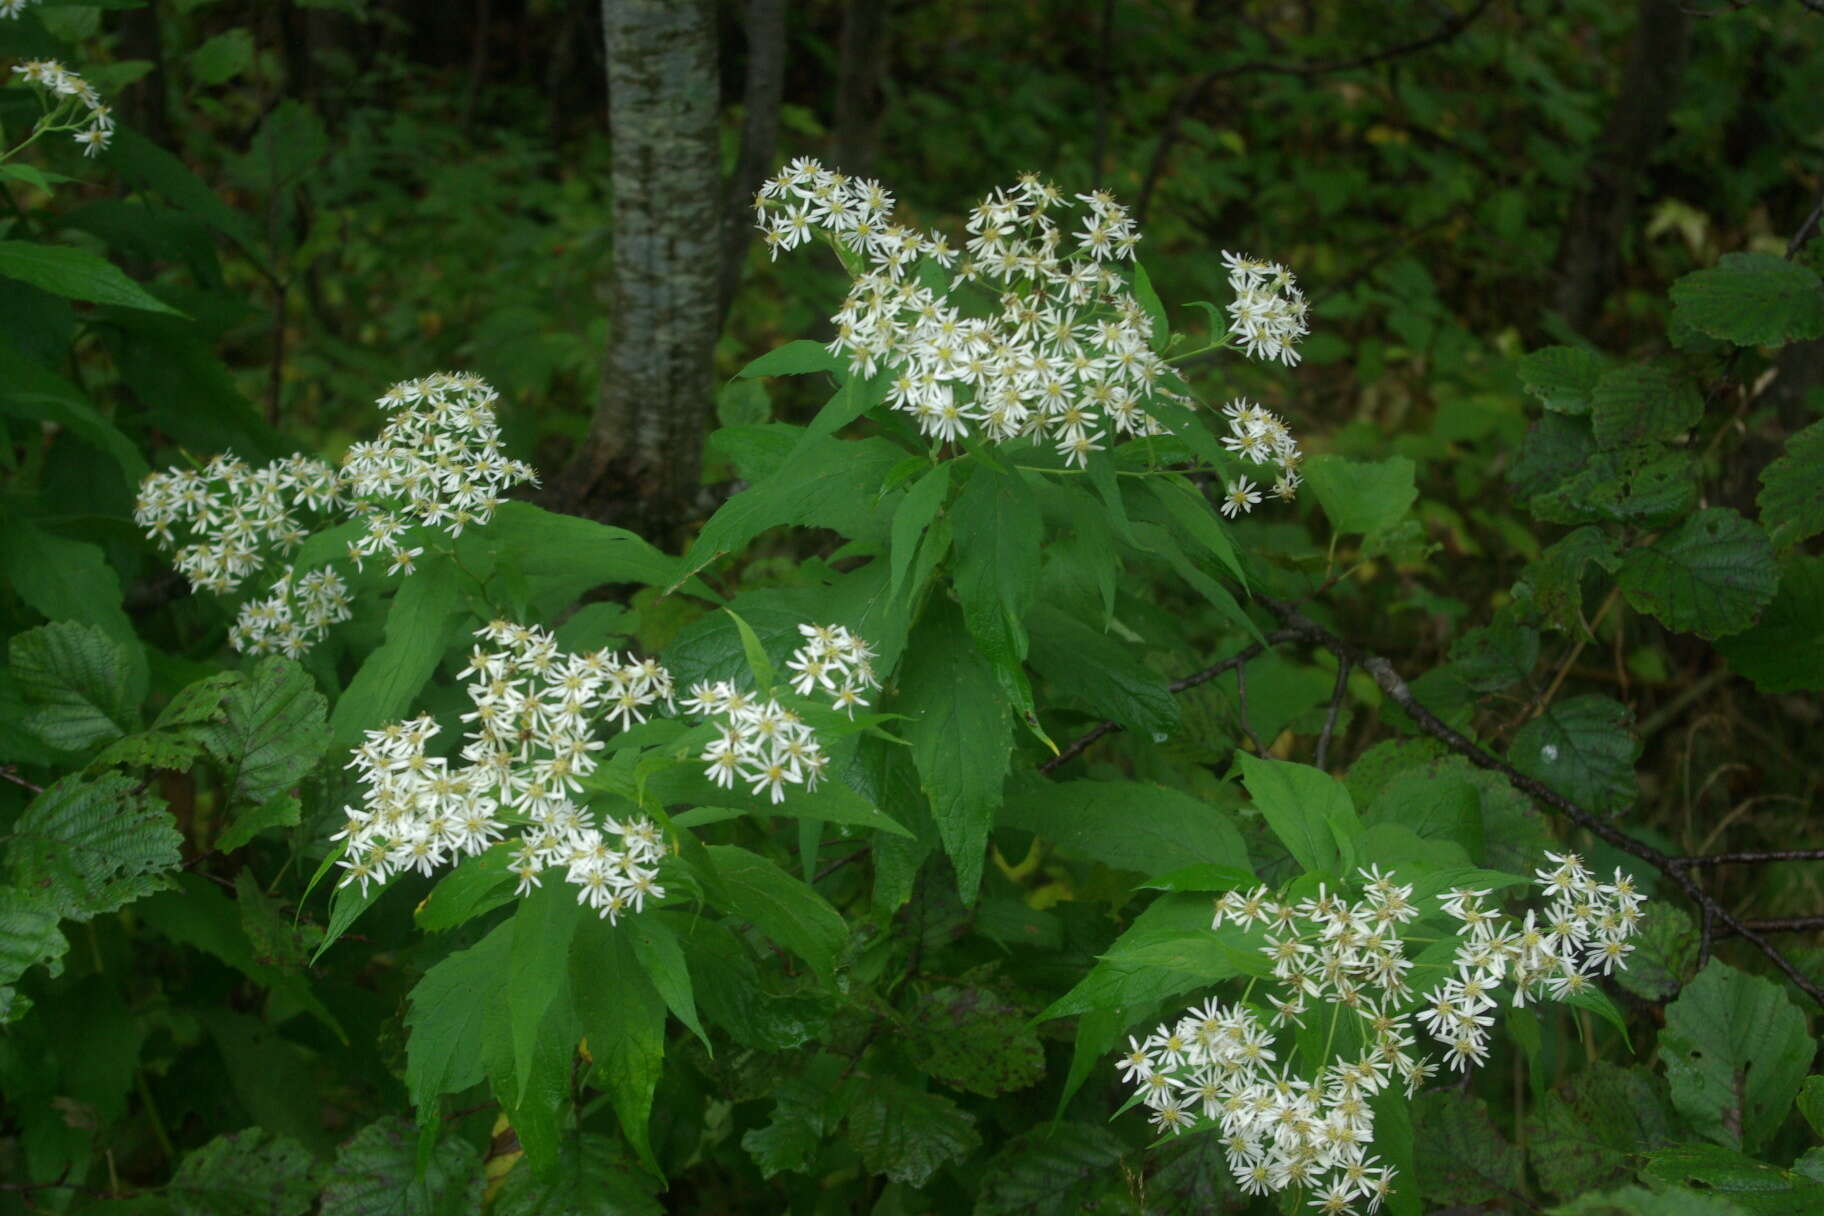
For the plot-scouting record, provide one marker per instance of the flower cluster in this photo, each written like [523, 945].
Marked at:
[1223, 1063]
[766, 744]
[1053, 345]
[531, 741]
[95, 130]
[1269, 313]
[437, 463]
[1259, 436]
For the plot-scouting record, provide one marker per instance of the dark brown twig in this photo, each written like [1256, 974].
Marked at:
[1787, 924]
[6, 771]
[1674, 868]
[1336, 704]
[1752, 859]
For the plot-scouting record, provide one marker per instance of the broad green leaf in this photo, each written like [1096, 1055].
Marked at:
[76, 274]
[1791, 500]
[1755, 1186]
[1396, 1142]
[71, 580]
[1152, 306]
[1088, 669]
[1360, 495]
[1562, 377]
[282, 810]
[29, 938]
[1495, 656]
[546, 920]
[562, 557]
[1643, 402]
[662, 958]
[222, 58]
[1555, 449]
[246, 1173]
[1735, 1050]
[1434, 804]
[1590, 1133]
[591, 1178]
[443, 1047]
[1710, 576]
[1062, 1167]
[1811, 1104]
[970, 1037]
[389, 680]
[272, 731]
[1648, 485]
[376, 1173]
[1665, 955]
[1752, 299]
[623, 1022]
[1584, 748]
[1784, 651]
[1170, 948]
[807, 1105]
[1308, 809]
[1193, 515]
[800, 358]
[1129, 825]
[1461, 1158]
[961, 733]
[908, 1135]
[780, 906]
[915, 513]
[477, 885]
[1639, 1201]
[998, 538]
[89, 847]
[757, 663]
[1552, 586]
[74, 678]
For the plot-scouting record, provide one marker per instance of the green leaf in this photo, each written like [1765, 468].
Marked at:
[591, 1178]
[1784, 651]
[70, 580]
[272, 731]
[1152, 306]
[1193, 516]
[961, 733]
[757, 662]
[806, 1107]
[1129, 825]
[1088, 669]
[391, 677]
[1648, 485]
[377, 1174]
[1711, 576]
[1756, 1186]
[1735, 1050]
[1665, 955]
[246, 1174]
[972, 1038]
[907, 1135]
[89, 847]
[1791, 501]
[222, 58]
[1555, 449]
[1495, 656]
[1638, 1201]
[1562, 377]
[75, 679]
[914, 514]
[29, 938]
[800, 358]
[1170, 948]
[446, 1020]
[1590, 1133]
[1811, 1104]
[780, 906]
[477, 885]
[76, 274]
[662, 958]
[561, 557]
[545, 922]
[1552, 586]
[279, 811]
[1641, 403]
[1584, 748]
[1360, 495]
[1461, 1158]
[623, 1023]
[1308, 809]
[1059, 1167]
[1752, 299]
[999, 535]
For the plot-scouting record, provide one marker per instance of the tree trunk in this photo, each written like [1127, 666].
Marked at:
[759, 137]
[142, 104]
[640, 462]
[860, 67]
[1602, 213]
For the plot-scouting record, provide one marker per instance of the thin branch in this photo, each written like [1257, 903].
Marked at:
[1751, 859]
[6, 772]
[1677, 869]
[1787, 924]
[1241, 709]
[1336, 705]
[1809, 228]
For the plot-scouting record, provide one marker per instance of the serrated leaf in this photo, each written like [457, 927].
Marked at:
[376, 1173]
[89, 847]
[1791, 501]
[1562, 377]
[1552, 586]
[1752, 299]
[1555, 449]
[74, 678]
[623, 1021]
[1641, 403]
[662, 958]
[799, 358]
[807, 1105]
[1059, 1167]
[1495, 656]
[1735, 1050]
[1461, 1158]
[999, 536]
[446, 1020]
[282, 810]
[1130, 825]
[222, 58]
[1362, 495]
[780, 906]
[29, 938]
[961, 732]
[1648, 484]
[477, 885]
[1591, 1132]
[908, 1135]
[1639, 1201]
[1784, 651]
[914, 514]
[1088, 669]
[970, 1037]
[1711, 576]
[272, 731]
[543, 926]
[391, 677]
[72, 580]
[591, 1178]
[1811, 1104]
[76, 274]
[1309, 810]
[561, 557]
[1152, 306]
[1665, 955]
[1584, 748]
[246, 1173]
[1753, 1186]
